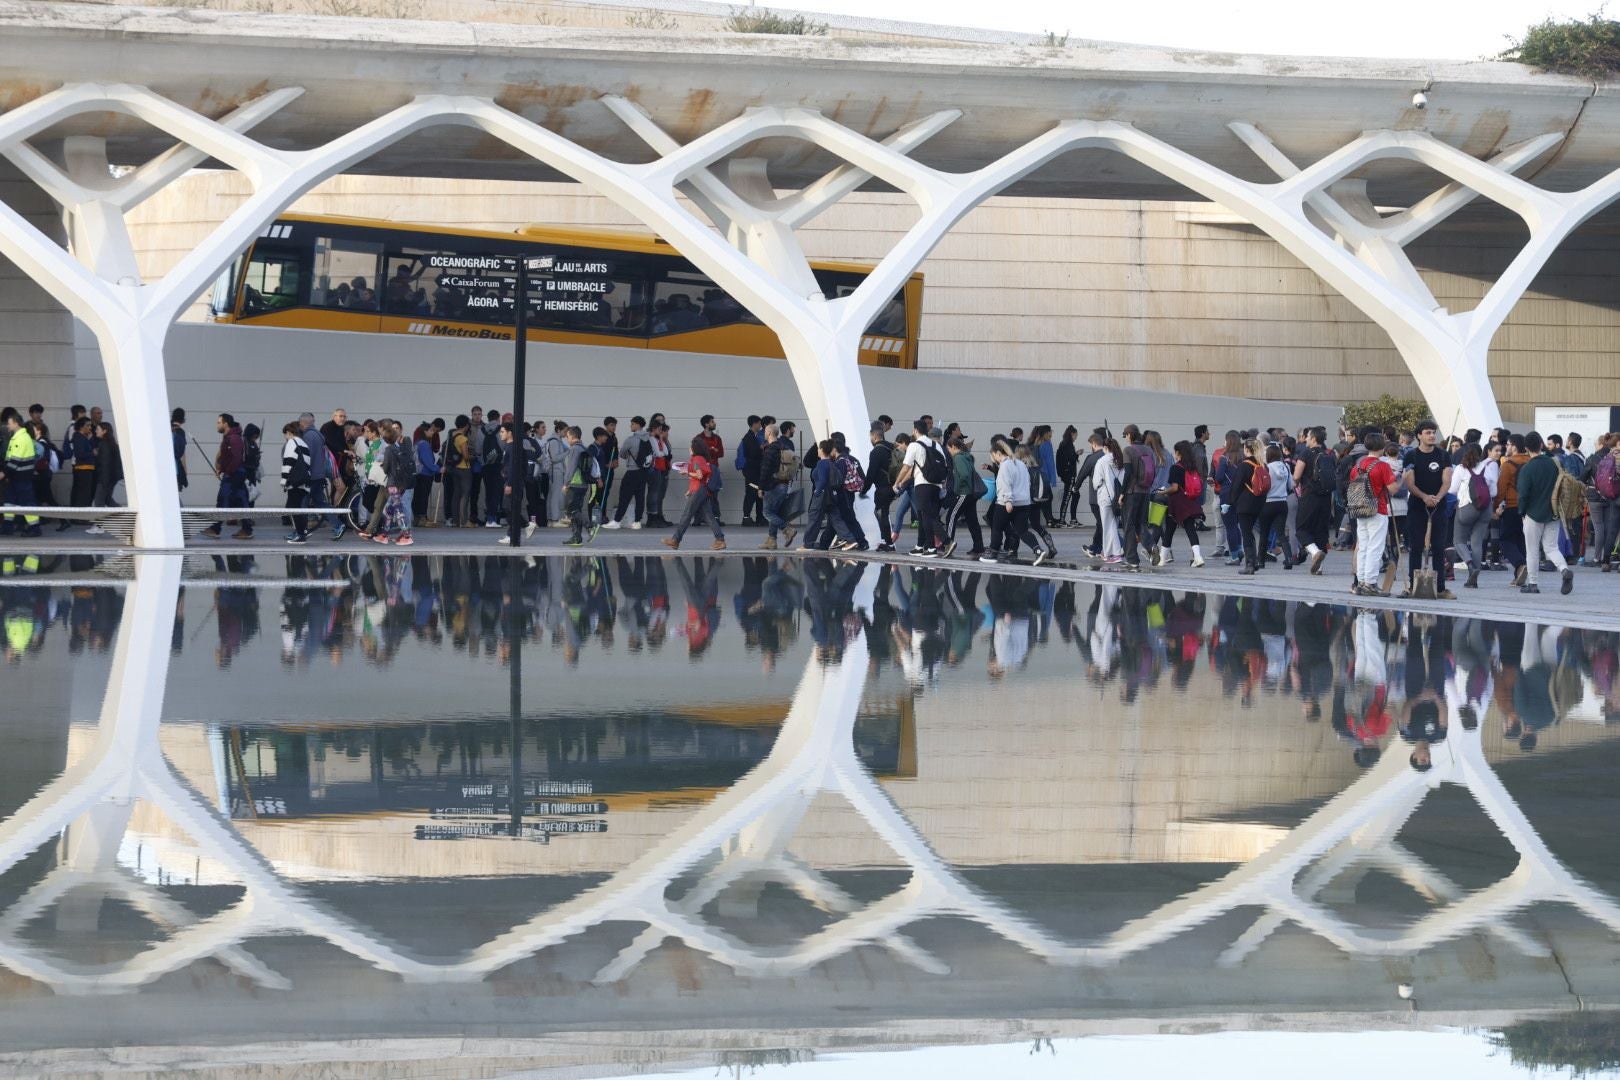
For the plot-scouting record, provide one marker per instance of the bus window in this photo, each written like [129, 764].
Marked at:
[444, 283]
[589, 290]
[345, 274]
[687, 300]
[273, 281]
[222, 298]
[890, 322]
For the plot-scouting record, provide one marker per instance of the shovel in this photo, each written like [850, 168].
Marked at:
[1425, 584]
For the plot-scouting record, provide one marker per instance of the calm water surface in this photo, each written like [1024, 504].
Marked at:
[601, 816]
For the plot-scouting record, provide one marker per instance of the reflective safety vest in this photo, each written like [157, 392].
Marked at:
[20, 450]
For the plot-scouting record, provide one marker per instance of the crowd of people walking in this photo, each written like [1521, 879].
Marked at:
[1451, 510]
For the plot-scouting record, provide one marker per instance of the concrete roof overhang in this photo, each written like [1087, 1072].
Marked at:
[356, 69]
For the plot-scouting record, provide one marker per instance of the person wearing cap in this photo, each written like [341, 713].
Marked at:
[702, 495]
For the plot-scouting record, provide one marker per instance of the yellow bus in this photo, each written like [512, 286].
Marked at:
[592, 287]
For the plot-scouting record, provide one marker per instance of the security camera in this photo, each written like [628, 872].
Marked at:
[1420, 100]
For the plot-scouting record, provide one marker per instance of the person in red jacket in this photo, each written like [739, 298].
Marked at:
[702, 493]
[1371, 532]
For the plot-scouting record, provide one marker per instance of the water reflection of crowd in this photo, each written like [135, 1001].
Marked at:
[31, 608]
[1373, 675]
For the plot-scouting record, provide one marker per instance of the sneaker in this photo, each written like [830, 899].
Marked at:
[504, 540]
[718, 545]
[212, 532]
[888, 549]
[946, 551]
[529, 530]
[790, 532]
[1112, 560]
[288, 537]
[1529, 588]
[1165, 557]
[1569, 581]
[242, 534]
[380, 539]
[492, 524]
[595, 529]
[671, 543]
[612, 525]
[1317, 560]
[404, 540]
[97, 530]
[635, 525]
[574, 541]
[64, 526]
[1445, 594]
[1197, 562]
[296, 539]
[989, 557]
[337, 533]
[1518, 578]
[1040, 557]
[920, 550]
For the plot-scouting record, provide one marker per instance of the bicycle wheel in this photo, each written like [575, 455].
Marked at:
[359, 511]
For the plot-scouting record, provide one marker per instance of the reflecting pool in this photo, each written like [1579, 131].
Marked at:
[338, 815]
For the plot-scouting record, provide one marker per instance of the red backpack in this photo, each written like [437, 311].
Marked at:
[1260, 481]
[1193, 486]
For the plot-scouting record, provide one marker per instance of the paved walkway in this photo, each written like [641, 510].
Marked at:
[1595, 602]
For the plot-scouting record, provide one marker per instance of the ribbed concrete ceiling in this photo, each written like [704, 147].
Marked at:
[355, 69]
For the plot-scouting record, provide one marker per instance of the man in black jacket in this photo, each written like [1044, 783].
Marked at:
[751, 449]
[877, 484]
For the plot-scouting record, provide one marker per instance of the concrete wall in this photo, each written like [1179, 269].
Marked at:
[1153, 296]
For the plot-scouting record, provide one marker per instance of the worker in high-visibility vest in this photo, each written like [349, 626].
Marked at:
[22, 455]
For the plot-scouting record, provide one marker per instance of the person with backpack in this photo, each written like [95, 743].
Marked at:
[1537, 479]
[1186, 495]
[581, 476]
[658, 480]
[1473, 481]
[427, 473]
[637, 455]
[230, 467]
[1603, 474]
[825, 527]
[967, 488]
[555, 458]
[322, 472]
[295, 481]
[1107, 480]
[1507, 498]
[515, 461]
[1223, 469]
[851, 482]
[1348, 458]
[1367, 491]
[1315, 475]
[1252, 485]
[1141, 475]
[878, 462]
[703, 485]
[778, 469]
[458, 472]
[926, 469]
[1274, 515]
[1426, 474]
[399, 471]
[1040, 496]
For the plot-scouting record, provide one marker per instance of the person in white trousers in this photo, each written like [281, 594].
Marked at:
[1371, 532]
[1105, 477]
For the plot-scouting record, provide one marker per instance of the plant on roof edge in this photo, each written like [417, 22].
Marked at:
[766, 21]
[1589, 47]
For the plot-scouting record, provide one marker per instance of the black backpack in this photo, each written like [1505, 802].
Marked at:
[1324, 472]
[935, 468]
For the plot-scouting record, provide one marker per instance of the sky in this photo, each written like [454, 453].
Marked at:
[1403, 29]
[1223, 1056]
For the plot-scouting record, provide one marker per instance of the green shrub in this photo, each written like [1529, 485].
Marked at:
[766, 21]
[1402, 414]
[1589, 47]
[1583, 1043]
